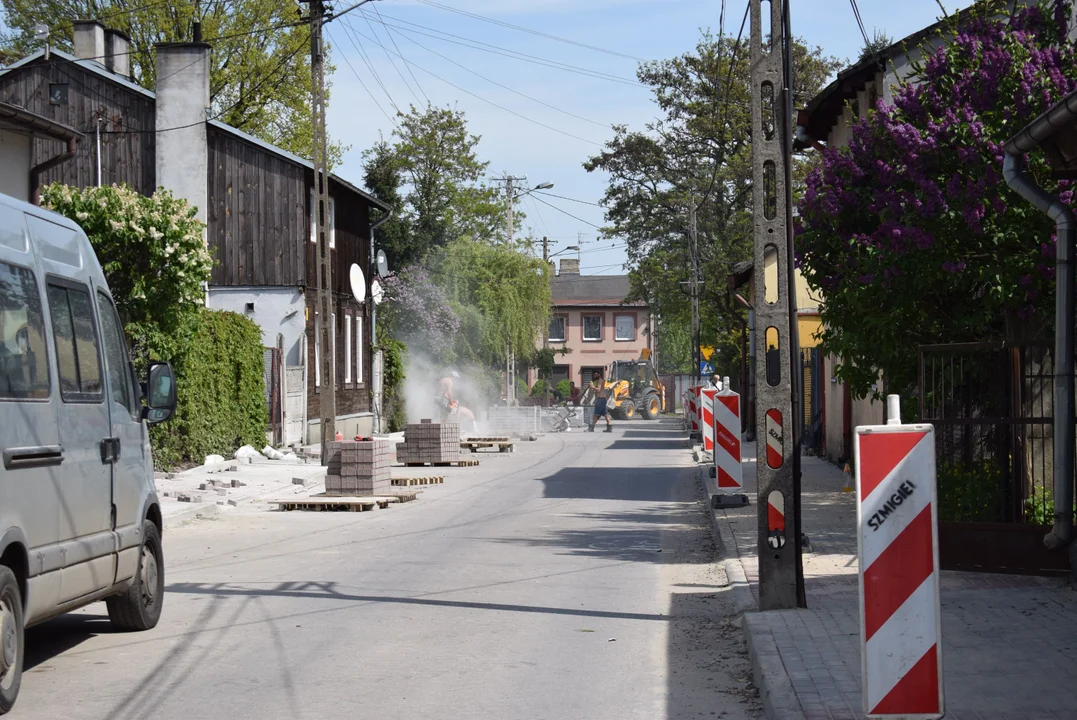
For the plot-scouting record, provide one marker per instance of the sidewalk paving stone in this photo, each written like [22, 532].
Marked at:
[1009, 642]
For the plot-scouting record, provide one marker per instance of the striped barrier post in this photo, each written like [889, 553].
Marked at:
[706, 407]
[897, 520]
[693, 409]
[697, 391]
[727, 455]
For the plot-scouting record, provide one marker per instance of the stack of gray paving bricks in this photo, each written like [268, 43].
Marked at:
[359, 467]
[429, 442]
[513, 421]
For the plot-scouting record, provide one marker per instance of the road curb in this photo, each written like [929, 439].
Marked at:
[776, 691]
[194, 512]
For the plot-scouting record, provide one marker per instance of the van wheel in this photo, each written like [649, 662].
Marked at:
[139, 608]
[11, 639]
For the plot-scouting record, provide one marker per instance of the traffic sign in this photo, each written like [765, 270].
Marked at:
[706, 351]
[706, 368]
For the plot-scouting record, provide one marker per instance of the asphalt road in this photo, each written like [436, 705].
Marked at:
[571, 579]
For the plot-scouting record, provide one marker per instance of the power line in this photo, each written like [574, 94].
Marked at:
[351, 32]
[562, 197]
[506, 87]
[565, 212]
[491, 102]
[363, 84]
[505, 52]
[390, 57]
[539, 33]
[406, 63]
[860, 23]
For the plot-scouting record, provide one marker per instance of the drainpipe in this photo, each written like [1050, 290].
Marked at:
[38, 170]
[1019, 180]
[374, 327]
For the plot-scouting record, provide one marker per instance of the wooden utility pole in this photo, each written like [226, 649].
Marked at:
[327, 400]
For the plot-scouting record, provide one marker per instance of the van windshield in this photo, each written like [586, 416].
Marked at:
[24, 364]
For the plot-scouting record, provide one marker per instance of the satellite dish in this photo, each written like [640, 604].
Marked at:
[377, 292]
[383, 264]
[358, 282]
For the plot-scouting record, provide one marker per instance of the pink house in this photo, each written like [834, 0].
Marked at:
[591, 318]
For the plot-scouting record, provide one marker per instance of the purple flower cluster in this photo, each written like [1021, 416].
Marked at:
[917, 200]
[418, 311]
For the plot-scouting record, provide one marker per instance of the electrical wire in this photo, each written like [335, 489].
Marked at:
[363, 84]
[351, 33]
[390, 57]
[506, 87]
[565, 212]
[406, 63]
[490, 102]
[538, 33]
[504, 52]
[562, 197]
[860, 23]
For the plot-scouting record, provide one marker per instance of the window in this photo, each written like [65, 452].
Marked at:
[347, 348]
[24, 361]
[626, 328]
[116, 358]
[358, 349]
[77, 355]
[592, 328]
[557, 329]
[332, 229]
[317, 354]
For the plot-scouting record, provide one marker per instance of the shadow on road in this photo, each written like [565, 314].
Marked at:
[634, 484]
[327, 591]
[64, 633]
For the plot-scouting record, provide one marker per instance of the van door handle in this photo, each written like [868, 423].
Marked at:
[110, 450]
[31, 457]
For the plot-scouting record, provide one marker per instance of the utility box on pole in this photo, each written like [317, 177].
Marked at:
[775, 447]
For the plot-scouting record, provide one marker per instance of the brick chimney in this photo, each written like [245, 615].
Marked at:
[90, 41]
[570, 266]
[182, 101]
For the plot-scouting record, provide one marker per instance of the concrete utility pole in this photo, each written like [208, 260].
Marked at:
[327, 401]
[780, 574]
[509, 202]
[693, 238]
[545, 249]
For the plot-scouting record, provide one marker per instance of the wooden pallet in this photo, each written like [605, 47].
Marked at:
[325, 503]
[453, 463]
[408, 482]
[475, 444]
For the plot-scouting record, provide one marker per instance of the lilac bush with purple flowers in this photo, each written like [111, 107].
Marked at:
[910, 232]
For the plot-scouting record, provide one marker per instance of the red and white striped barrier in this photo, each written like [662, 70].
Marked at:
[697, 393]
[706, 406]
[693, 409]
[897, 520]
[727, 457]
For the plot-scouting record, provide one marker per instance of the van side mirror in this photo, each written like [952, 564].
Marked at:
[160, 393]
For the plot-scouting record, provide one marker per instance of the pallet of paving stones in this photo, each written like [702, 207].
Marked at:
[409, 482]
[329, 503]
[501, 443]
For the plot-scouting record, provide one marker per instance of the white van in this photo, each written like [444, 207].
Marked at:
[79, 516]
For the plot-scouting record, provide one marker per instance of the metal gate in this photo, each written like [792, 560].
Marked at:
[811, 437]
[271, 374]
[991, 405]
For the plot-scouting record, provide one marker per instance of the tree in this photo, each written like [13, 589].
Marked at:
[911, 233]
[260, 80]
[153, 255]
[383, 177]
[434, 173]
[879, 41]
[697, 153]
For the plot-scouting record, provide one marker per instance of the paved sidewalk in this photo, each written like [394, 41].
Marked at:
[1009, 642]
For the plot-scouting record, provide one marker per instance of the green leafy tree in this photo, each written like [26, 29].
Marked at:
[697, 153]
[260, 79]
[433, 173]
[153, 254]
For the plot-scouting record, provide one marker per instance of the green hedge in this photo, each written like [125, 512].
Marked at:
[565, 389]
[220, 393]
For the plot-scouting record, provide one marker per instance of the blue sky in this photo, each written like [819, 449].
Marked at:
[547, 136]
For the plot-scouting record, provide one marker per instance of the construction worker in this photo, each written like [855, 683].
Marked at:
[601, 399]
[450, 408]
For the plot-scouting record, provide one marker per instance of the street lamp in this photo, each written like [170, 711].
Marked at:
[1056, 132]
[511, 197]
